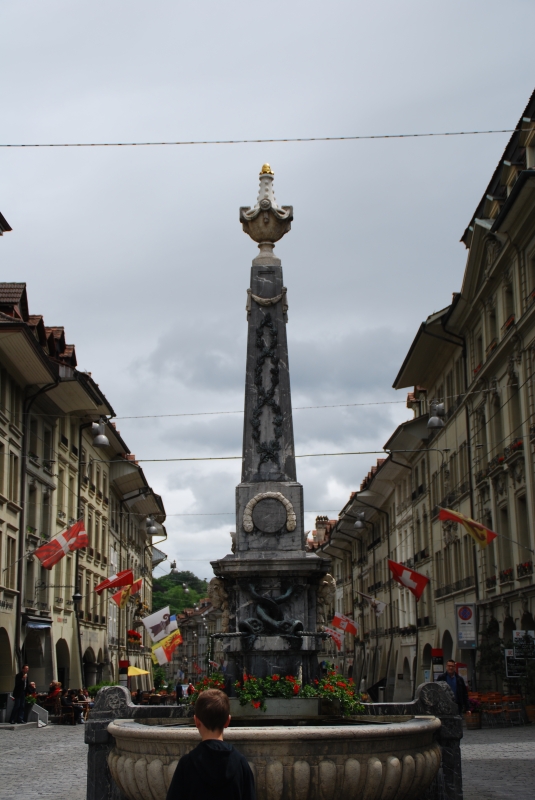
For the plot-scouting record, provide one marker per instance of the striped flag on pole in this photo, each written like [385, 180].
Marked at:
[122, 597]
[479, 533]
[53, 551]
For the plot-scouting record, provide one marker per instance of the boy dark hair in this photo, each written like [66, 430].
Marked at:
[214, 769]
[213, 709]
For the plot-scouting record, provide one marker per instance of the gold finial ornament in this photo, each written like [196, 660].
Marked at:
[266, 170]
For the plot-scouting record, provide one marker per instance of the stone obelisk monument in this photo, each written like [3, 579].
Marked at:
[267, 587]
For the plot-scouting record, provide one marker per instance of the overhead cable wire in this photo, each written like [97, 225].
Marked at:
[262, 141]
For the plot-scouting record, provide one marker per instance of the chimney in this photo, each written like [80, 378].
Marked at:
[321, 527]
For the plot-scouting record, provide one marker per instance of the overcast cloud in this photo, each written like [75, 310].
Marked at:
[138, 252]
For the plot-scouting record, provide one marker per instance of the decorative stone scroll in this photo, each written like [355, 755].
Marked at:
[267, 301]
[249, 523]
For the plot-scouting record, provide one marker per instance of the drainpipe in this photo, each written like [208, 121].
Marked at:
[406, 466]
[387, 515]
[81, 427]
[28, 402]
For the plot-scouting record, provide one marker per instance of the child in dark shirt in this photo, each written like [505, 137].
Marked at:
[214, 770]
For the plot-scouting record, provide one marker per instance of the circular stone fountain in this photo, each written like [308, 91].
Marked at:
[360, 761]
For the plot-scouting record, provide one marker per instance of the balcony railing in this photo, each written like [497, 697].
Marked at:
[374, 587]
[492, 346]
[524, 569]
[491, 582]
[423, 554]
[374, 543]
[464, 583]
[516, 446]
[508, 323]
[507, 575]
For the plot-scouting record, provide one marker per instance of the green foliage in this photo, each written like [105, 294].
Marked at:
[168, 591]
[491, 662]
[255, 691]
[92, 690]
[215, 681]
[159, 677]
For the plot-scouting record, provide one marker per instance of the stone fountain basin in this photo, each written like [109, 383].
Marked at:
[389, 761]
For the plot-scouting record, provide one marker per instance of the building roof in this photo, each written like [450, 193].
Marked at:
[509, 170]
[4, 225]
[431, 347]
[13, 296]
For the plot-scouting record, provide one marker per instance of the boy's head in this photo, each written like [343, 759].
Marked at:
[212, 711]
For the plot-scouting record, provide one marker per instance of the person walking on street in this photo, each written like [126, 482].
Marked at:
[457, 686]
[179, 693]
[20, 690]
[214, 768]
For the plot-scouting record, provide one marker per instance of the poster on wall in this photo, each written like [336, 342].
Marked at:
[465, 614]
[437, 661]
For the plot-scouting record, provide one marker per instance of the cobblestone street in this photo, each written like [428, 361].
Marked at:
[499, 763]
[51, 763]
[43, 763]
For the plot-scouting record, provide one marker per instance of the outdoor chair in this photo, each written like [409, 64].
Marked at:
[514, 713]
[67, 714]
[493, 709]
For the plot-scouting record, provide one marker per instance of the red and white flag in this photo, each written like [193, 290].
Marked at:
[54, 550]
[344, 623]
[124, 578]
[335, 636]
[412, 580]
[377, 605]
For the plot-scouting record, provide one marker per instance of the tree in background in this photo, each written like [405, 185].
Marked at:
[170, 591]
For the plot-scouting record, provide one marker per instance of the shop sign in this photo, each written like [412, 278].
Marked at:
[524, 644]
[465, 614]
[514, 667]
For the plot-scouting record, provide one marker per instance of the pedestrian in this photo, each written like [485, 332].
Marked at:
[179, 689]
[214, 768]
[457, 686]
[20, 690]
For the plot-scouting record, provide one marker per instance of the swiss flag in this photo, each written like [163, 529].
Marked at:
[412, 580]
[344, 623]
[124, 578]
[53, 551]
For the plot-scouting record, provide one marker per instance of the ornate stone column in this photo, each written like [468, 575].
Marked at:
[269, 579]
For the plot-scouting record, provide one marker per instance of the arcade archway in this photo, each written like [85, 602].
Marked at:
[6, 662]
[63, 663]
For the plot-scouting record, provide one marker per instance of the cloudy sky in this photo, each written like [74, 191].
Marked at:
[139, 254]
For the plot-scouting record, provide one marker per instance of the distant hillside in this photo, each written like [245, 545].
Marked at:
[169, 591]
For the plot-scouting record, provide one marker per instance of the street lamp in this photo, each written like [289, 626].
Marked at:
[152, 530]
[360, 524]
[77, 600]
[436, 420]
[98, 431]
